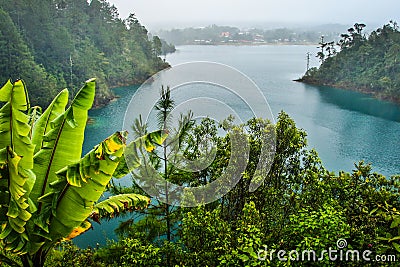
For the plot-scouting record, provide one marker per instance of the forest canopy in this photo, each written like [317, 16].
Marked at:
[366, 63]
[59, 43]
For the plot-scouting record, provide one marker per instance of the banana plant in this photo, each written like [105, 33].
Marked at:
[48, 193]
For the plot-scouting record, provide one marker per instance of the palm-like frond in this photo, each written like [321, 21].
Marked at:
[115, 205]
[16, 163]
[47, 191]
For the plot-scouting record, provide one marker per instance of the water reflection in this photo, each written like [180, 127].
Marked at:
[355, 101]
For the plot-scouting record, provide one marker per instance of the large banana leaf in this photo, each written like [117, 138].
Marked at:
[115, 205]
[81, 184]
[16, 162]
[42, 126]
[14, 128]
[65, 187]
[62, 143]
[111, 207]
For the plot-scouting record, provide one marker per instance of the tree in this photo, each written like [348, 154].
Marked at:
[38, 39]
[47, 191]
[157, 46]
[301, 206]
[16, 60]
[366, 64]
[161, 218]
[322, 45]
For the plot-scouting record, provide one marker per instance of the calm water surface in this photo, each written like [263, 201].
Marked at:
[343, 126]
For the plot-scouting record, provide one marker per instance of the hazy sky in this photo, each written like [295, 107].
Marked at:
[177, 13]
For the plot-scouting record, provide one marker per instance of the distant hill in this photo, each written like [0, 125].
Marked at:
[61, 43]
[364, 63]
[219, 35]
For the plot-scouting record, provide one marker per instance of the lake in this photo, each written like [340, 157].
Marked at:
[343, 126]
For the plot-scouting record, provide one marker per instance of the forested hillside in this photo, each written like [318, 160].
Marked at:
[365, 63]
[60, 43]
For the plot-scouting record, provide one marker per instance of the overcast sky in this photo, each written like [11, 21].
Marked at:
[156, 14]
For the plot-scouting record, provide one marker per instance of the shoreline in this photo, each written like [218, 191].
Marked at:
[248, 44]
[104, 100]
[366, 91]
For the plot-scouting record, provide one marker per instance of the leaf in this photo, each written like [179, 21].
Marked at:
[42, 125]
[157, 137]
[16, 156]
[62, 140]
[74, 204]
[373, 211]
[147, 141]
[79, 230]
[395, 222]
[5, 92]
[396, 246]
[117, 204]
[14, 127]
[394, 238]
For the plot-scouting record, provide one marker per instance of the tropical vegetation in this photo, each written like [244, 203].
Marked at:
[366, 63]
[50, 194]
[58, 44]
[301, 206]
[47, 191]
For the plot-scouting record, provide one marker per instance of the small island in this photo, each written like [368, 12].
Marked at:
[361, 62]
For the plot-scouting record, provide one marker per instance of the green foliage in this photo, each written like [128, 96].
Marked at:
[160, 220]
[390, 239]
[47, 191]
[300, 206]
[138, 254]
[244, 251]
[205, 235]
[316, 230]
[67, 255]
[17, 60]
[115, 205]
[49, 43]
[367, 64]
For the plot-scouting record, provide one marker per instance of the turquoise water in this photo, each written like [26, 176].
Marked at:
[343, 126]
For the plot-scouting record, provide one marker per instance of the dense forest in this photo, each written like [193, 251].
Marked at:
[366, 63]
[56, 44]
[301, 214]
[49, 193]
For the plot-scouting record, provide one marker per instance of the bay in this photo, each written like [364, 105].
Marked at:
[343, 126]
